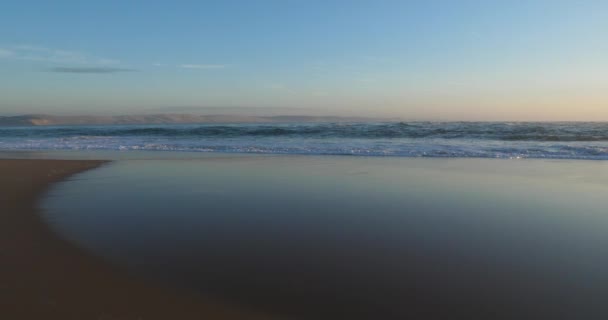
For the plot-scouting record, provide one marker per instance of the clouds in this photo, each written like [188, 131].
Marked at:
[53, 56]
[66, 61]
[63, 61]
[192, 66]
[89, 70]
[202, 66]
[5, 53]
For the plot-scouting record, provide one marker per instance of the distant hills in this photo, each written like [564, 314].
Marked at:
[49, 120]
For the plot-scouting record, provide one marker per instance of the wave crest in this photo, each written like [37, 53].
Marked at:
[407, 130]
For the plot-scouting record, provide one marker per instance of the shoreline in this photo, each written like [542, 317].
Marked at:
[44, 277]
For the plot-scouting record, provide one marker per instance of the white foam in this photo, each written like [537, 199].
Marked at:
[333, 146]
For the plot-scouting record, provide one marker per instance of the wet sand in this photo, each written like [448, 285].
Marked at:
[353, 237]
[44, 277]
[307, 237]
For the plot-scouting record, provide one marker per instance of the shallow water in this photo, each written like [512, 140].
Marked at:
[358, 238]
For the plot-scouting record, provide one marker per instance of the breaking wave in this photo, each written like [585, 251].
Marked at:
[410, 139]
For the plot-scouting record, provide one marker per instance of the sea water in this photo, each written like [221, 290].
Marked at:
[404, 139]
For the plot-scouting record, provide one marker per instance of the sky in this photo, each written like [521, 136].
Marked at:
[417, 60]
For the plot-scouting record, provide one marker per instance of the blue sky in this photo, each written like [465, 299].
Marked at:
[439, 60]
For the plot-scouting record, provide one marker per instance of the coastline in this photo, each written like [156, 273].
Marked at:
[45, 277]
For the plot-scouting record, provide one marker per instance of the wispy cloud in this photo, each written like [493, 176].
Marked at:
[5, 53]
[275, 86]
[51, 55]
[320, 93]
[202, 66]
[279, 87]
[366, 80]
[89, 70]
[372, 58]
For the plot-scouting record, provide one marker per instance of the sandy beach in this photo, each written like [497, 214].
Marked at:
[44, 277]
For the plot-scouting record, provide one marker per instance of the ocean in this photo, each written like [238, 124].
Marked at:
[563, 140]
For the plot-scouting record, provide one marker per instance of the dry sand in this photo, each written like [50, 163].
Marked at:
[44, 277]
